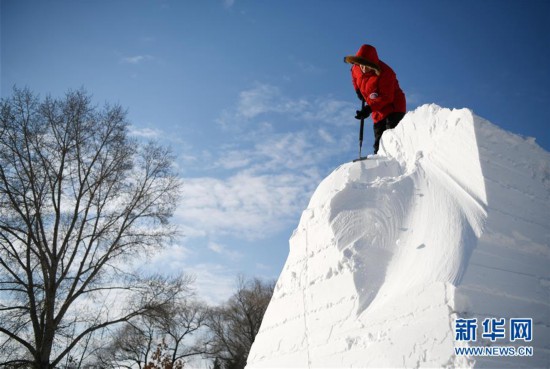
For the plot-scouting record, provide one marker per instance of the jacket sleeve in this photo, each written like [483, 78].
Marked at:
[379, 91]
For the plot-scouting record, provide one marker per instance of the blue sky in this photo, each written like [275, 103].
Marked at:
[256, 102]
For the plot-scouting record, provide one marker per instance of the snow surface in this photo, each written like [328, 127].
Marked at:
[451, 220]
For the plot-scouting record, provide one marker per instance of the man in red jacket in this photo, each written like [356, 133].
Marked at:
[376, 84]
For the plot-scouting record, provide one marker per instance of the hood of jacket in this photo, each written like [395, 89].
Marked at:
[369, 53]
[366, 55]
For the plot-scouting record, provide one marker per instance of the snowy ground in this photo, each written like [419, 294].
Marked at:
[450, 221]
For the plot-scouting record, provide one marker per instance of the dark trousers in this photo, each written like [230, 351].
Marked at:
[390, 122]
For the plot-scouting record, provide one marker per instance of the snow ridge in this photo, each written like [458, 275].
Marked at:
[449, 220]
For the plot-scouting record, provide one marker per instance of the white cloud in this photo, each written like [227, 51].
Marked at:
[145, 132]
[261, 99]
[234, 160]
[245, 205]
[220, 249]
[330, 111]
[264, 98]
[136, 59]
[172, 258]
[326, 137]
[270, 152]
[290, 152]
[215, 282]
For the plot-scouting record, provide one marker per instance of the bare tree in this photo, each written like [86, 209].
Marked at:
[132, 345]
[186, 319]
[78, 201]
[173, 335]
[234, 325]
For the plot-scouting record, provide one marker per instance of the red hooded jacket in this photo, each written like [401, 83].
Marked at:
[381, 90]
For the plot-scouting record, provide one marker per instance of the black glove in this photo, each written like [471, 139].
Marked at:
[359, 95]
[363, 114]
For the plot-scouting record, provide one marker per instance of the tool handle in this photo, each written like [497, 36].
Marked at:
[362, 127]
